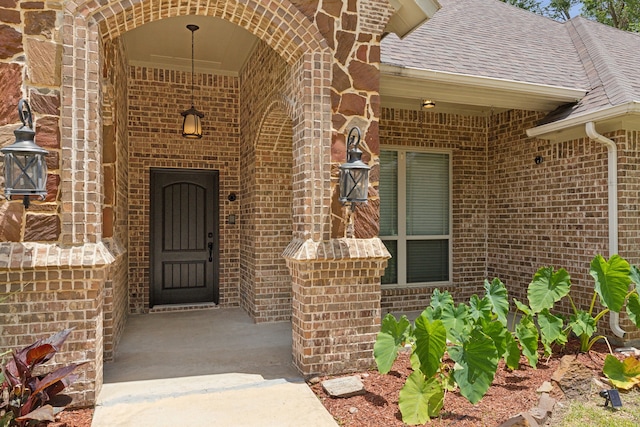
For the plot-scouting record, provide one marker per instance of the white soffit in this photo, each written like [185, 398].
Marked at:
[416, 84]
[410, 14]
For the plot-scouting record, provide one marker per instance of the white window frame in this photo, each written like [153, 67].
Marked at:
[401, 262]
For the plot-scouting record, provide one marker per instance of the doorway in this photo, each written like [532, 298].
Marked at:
[184, 237]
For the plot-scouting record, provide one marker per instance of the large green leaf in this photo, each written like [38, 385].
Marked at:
[527, 334]
[480, 308]
[420, 399]
[547, 287]
[625, 374]
[498, 333]
[582, 324]
[455, 319]
[550, 330]
[523, 307]
[476, 364]
[634, 275]
[512, 352]
[439, 299]
[633, 309]
[612, 280]
[432, 313]
[431, 343]
[391, 337]
[496, 292]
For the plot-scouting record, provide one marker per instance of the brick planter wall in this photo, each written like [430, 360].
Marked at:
[336, 303]
[54, 288]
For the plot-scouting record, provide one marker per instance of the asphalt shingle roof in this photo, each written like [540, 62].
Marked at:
[489, 38]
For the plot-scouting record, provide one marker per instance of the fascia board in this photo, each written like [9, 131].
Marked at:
[601, 115]
[409, 15]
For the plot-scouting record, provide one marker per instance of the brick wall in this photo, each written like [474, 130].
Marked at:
[156, 98]
[466, 138]
[115, 213]
[45, 299]
[512, 216]
[336, 303]
[266, 200]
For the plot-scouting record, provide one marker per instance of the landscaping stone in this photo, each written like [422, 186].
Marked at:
[546, 387]
[573, 378]
[343, 387]
[520, 420]
[547, 402]
[565, 362]
[540, 415]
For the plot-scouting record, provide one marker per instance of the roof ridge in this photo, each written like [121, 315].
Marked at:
[594, 57]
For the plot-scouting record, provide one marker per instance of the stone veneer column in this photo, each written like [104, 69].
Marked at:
[336, 303]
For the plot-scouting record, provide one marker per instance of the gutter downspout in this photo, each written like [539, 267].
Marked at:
[612, 156]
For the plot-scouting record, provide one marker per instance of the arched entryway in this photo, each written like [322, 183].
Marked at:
[120, 123]
[266, 182]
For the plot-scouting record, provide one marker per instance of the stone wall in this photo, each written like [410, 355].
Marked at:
[29, 66]
[156, 98]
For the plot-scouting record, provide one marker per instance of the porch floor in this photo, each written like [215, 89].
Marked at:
[200, 342]
[210, 367]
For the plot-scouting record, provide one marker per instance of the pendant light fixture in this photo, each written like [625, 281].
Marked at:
[191, 125]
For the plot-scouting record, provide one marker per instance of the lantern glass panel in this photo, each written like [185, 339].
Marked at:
[354, 184]
[25, 174]
[192, 127]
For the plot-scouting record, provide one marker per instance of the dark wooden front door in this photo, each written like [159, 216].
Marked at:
[184, 236]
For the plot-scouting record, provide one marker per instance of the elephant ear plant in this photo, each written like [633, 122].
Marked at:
[26, 390]
[615, 288]
[474, 335]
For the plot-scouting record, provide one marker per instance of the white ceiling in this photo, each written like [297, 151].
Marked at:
[219, 46]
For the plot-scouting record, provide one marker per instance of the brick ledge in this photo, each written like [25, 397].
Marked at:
[336, 249]
[28, 255]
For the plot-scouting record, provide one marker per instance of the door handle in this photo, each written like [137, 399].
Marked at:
[210, 246]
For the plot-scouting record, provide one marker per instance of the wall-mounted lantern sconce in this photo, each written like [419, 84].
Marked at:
[354, 174]
[25, 168]
[428, 103]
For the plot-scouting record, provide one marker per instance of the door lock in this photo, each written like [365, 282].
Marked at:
[210, 246]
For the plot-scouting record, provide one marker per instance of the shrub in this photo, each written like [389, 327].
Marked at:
[476, 337]
[615, 288]
[26, 397]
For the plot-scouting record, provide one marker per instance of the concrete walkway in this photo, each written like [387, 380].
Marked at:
[210, 367]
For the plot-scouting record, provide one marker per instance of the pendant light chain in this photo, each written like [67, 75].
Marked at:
[193, 30]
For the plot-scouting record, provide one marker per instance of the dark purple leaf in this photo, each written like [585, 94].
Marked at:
[44, 413]
[57, 339]
[54, 377]
[40, 354]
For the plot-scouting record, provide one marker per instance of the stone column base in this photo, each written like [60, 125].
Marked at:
[335, 303]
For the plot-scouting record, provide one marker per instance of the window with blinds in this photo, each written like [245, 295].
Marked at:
[415, 210]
